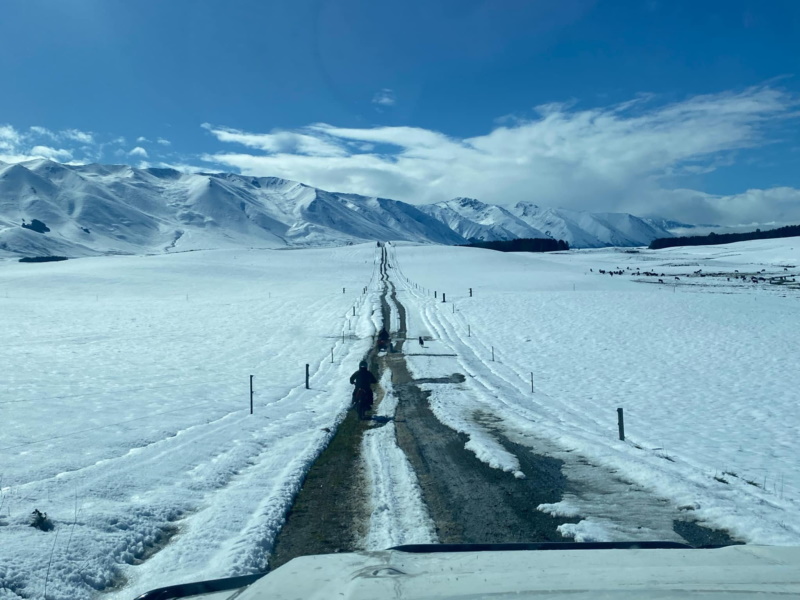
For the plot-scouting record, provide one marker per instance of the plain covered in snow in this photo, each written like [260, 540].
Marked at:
[705, 369]
[125, 396]
[126, 409]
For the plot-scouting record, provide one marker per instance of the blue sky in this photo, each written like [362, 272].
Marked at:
[685, 109]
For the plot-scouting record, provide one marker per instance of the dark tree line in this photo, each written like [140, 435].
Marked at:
[522, 245]
[725, 238]
[40, 259]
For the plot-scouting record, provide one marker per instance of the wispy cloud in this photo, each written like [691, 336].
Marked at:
[384, 97]
[78, 136]
[43, 131]
[163, 142]
[314, 143]
[620, 157]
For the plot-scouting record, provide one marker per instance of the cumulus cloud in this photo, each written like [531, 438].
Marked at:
[163, 142]
[58, 154]
[142, 140]
[385, 97]
[138, 151]
[622, 157]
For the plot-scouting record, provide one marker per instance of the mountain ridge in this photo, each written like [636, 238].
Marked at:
[101, 209]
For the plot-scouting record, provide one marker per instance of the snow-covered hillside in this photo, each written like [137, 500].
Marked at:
[476, 220]
[100, 209]
[108, 209]
[590, 230]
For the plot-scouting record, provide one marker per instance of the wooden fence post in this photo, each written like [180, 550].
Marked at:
[621, 424]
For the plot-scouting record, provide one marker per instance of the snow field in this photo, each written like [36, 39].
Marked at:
[704, 372]
[399, 515]
[126, 409]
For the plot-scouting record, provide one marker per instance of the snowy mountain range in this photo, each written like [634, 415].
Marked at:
[100, 209]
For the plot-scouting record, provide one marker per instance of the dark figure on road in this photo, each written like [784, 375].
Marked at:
[363, 379]
[421, 341]
[383, 339]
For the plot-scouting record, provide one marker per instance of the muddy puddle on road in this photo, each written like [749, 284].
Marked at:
[607, 506]
[610, 507]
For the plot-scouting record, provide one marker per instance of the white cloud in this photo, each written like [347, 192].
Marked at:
[78, 136]
[621, 157]
[16, 146]
[163, 142]
[282, 142]
[58, 154]
[182, 167]
[385, 97]
[10, 138]
[42, 131]
[73, 146]
[780, 205]
[142, 140]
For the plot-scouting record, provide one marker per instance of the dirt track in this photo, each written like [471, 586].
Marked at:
[468, 501]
